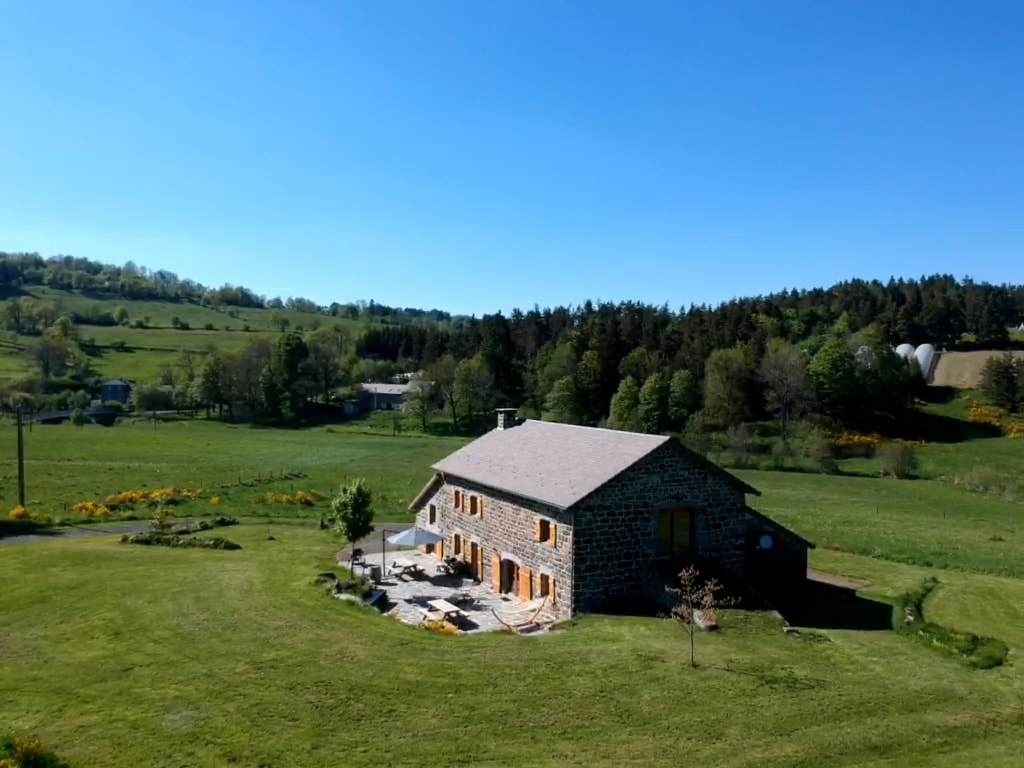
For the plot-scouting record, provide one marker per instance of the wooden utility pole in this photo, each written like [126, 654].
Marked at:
[21, 462]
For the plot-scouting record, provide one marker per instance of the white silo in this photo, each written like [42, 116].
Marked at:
[906, 351]
[924, 355]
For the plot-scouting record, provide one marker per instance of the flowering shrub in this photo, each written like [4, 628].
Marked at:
[21, 752]
[440, 626]
[215, 500]
[90, 509]
[128, 499]
[1016, 429]
[301, 497]
[20, 513]
[851, 439]
[985, 414]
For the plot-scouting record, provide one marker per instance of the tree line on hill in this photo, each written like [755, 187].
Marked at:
[827, 351]
[627, 365]
[133, 282]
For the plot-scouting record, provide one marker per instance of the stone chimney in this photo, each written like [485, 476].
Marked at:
[506, 418]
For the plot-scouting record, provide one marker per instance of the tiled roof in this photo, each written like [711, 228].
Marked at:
[556, 464]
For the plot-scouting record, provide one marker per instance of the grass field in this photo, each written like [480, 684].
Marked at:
[119, 655]
[66, 464]
[920, 521]
[962, 369]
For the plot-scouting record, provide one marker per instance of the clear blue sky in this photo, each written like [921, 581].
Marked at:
[477, 156]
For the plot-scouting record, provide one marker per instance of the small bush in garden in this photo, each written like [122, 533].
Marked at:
[170, 539]
[20, 513]
[21, 752]
[317, 495]
[898, 459]
[358, 585]
[78, 417]
[440, 626]
[215, 500]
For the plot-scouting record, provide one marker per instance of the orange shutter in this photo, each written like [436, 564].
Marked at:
[525, 585]
[496, 572]
[439, 549]
[536, 529]
[479, 564]
[480, 507]
[551, 590]
[554, 535]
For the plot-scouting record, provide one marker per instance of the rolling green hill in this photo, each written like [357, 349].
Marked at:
[139, 353]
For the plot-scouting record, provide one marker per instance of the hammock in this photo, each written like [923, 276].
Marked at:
[522, 624]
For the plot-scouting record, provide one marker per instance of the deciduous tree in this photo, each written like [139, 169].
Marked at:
[652, 410]
[683, 398]
[728, 374]
[353, 511]
[788, 390]
[474, 389]
[698, 601]
[623, 413]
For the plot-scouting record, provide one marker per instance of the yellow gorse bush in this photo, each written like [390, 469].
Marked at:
[114, 501]
[985, 414]
[20, 513]
[306, 499]
[849, 438]
[1016, 429]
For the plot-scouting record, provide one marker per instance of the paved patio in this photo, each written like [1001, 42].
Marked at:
[409, 596]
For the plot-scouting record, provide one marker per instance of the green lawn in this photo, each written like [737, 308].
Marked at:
[66, 464]
[120, 655]
[928, 522]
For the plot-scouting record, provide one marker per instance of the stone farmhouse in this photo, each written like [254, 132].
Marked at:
[590, 517]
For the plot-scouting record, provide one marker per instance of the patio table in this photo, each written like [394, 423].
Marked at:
[451, 612]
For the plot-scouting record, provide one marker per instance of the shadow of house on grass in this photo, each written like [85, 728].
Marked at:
[811, 604]
[12, 528]
[830, 606]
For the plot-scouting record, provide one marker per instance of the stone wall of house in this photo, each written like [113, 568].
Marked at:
[616, 528]
[506, 526]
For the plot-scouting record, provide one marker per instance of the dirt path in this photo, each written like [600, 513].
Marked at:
[132, 526]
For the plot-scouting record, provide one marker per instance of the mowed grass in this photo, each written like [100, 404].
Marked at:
[122, 655]
[920, 521]
[66, 464]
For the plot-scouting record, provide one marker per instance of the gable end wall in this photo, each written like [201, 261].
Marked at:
[616, 528]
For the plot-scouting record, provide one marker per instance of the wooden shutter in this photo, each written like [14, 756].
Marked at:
[439, 550]
[551, 590]
[536, 529]
[554, 535]
[480, 507]
[455, 498]
[496, 572]
[525, 585]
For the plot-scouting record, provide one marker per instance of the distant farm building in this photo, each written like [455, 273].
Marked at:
[115, 390]
[382, 397]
